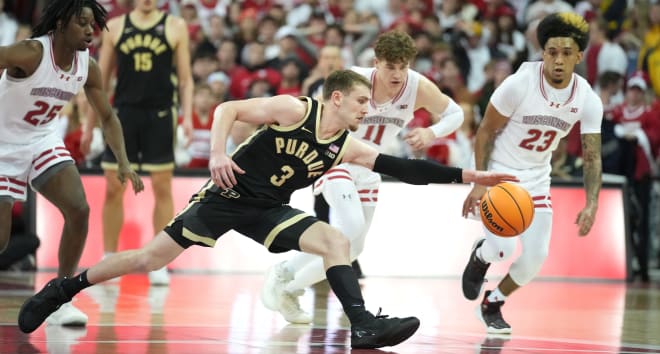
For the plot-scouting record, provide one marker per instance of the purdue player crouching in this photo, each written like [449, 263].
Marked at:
[248, 193]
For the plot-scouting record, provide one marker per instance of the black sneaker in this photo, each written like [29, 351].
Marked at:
[491, 315]
[37, 308]
[380, 331]
[474, 274]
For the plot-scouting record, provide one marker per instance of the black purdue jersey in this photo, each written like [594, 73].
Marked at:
[144, 66]
[280, 160]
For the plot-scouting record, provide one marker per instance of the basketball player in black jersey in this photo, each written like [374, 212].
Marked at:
[249, 192]
[144, 46]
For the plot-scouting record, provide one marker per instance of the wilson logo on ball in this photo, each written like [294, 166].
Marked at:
[507, 210]
[489, 217]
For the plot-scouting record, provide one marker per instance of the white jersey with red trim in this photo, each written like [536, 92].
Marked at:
[384, 121]
[539, 116]
[30, 105]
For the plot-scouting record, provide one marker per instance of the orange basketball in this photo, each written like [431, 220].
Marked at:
[507, 209]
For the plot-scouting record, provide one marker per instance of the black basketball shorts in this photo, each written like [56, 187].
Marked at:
[202, 223]
[150, 138]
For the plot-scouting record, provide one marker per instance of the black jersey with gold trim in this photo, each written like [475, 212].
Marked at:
[299, 158]
[145, 69]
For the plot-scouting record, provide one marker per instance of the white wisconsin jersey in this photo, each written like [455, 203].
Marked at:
[383, 122]
[30, 105]
[539, 116]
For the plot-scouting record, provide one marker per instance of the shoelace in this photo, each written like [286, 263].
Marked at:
[293, 299]
[378, 315]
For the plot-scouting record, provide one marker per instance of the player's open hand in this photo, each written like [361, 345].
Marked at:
[487, 178]
[471, 203]
[222, 169]
[585, 219]
[419, 138]
[125, 172]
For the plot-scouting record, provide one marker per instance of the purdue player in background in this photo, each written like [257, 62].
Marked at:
[352, 190]
[250, 191]
[526, 117]
[144, 46]
[39, 77]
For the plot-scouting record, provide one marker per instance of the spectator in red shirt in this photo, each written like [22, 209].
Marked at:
[199, 147]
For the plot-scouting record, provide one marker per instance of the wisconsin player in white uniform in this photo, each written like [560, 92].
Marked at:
[524, 121]
[39, 76]
[351, 190]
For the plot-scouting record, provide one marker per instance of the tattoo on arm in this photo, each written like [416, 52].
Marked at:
[593, 169]
[483, 152]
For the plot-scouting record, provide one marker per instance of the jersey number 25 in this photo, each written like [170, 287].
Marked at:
[42, 114]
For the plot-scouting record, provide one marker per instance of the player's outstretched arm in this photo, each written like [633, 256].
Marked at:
[110, 125]
[414, 171]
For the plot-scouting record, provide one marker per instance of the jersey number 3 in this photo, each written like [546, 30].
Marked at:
[287, 172]
[42, 114]
[539, 140]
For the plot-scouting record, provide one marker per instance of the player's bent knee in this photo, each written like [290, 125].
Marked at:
[336, 242]
[525, 269]
[497, 249]
[352, 226]
[78, 212]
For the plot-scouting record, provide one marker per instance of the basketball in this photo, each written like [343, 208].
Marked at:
[507, 209]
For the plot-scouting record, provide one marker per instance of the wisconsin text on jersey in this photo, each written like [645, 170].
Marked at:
[52, 92]
[383, 120]
[299, 149]
[547, 120]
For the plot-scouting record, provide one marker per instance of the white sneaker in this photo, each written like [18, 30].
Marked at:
[159, 277]
[59, 340]
[271, 293]
[105, 295]
[67, 315]
[290, 308]
[157, 298]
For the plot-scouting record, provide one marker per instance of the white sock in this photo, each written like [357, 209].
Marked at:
[107, 254]
[309, 275]
[299, 261]
[496, 296]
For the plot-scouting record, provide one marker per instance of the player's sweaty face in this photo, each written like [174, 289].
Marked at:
[355, 106]
[391, 74]
[560, 56]
[80, 29]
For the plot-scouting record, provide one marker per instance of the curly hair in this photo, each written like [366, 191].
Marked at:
[63, 10]
[395, 47]
[564, 24]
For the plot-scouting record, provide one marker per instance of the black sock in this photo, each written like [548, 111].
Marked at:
[344, 283]
[74, 285]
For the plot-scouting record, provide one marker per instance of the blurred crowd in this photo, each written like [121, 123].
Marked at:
[254, 48]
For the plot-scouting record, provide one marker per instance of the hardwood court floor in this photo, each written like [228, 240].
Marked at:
[222, 313]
